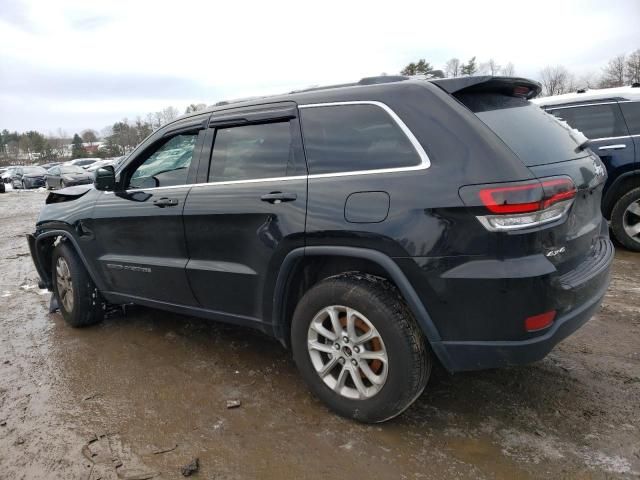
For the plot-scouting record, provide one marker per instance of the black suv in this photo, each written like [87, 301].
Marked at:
[371, 228]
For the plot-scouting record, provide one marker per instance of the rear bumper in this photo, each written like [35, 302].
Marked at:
[34, 182]
[582, 289]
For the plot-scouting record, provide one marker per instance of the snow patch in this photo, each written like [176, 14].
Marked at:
[613, 464]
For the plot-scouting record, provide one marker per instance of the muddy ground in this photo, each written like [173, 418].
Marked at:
[144, 394]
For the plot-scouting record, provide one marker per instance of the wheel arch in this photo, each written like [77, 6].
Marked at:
[43, 248]
[291, 268]
[621, 185]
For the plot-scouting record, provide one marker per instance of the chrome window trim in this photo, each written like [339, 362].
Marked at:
[226, 182]
[614, 138]
[558, 107]
[424, 158]
[425, 162]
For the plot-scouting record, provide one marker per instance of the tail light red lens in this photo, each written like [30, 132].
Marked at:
[539, 322]
[521, 205]
[527, 197]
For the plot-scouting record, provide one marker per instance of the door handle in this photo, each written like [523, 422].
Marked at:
[278, 197]
[165, 202]
[618, 146]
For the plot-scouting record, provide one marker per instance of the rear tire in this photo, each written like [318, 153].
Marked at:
[368, 392]
[625, 220]
[80, 301]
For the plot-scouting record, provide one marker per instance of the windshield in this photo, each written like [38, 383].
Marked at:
[34, 171]
[71, 169]
[535, 136]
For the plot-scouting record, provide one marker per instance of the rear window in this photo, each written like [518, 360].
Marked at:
[354, 137]
[535, 136]
[595, 121]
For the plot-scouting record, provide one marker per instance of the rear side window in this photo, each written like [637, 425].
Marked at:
[631, 111]
[595, 121]
[252, 152]
[535, 136]
[348, 138]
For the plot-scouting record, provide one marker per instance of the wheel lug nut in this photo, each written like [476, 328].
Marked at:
[353, 361]
[341, 361]
[336, 346]
[345, 339]
[356, 349]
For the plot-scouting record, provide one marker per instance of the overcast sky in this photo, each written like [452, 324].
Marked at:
[76, 64]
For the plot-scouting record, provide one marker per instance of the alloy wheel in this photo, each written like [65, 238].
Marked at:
[64, 283]
[347, 352]
[631, 220]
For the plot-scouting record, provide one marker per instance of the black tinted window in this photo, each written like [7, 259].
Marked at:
[167, 165]
[251, 152]
[347, 138]
[631, 111]
[534, 136]
[596, 121]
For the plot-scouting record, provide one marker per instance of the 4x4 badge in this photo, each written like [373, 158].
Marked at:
[558, 251]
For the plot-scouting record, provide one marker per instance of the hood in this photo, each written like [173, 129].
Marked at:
[69, 193]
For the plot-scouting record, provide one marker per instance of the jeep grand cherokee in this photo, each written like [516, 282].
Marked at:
[372, 228]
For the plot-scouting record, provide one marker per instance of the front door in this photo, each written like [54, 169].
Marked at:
[138, 229]
[248, 212]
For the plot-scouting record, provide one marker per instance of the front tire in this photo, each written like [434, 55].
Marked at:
[625, 220]
[79, 300]
[358, 347]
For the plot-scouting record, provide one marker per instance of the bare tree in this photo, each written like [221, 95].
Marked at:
[169, 114]
[613, 73]
[196, 107]
[556, 80]
[491, 67]
[509, 70]
[588, 80]
[452, 68]
[632, 71]
[89, 136]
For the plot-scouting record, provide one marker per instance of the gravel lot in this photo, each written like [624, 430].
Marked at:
[143, 394]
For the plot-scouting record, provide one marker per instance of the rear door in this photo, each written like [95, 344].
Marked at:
[138, 231]
[631, 112]
[248, 210]
[604, 125]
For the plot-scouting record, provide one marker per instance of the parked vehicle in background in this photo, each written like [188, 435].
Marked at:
[100, 163]
[66, 176]
[7, 174]
[610, 118]
[82, 162]
[47, 166]
[28, 177]
[371, 228]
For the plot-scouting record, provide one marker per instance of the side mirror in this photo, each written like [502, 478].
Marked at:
[105, 178]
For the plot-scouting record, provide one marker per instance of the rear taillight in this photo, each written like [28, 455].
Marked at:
[522, 205]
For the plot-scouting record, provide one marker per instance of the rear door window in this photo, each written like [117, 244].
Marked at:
[631, 112]
[595, 121]
[535, 136]
[251, 152]
[354, 137]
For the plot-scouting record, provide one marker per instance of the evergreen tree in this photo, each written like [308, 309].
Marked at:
[77, 150]
[470, 68]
